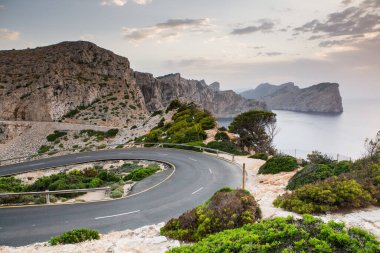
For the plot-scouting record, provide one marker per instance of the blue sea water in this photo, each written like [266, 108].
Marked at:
[340, 135]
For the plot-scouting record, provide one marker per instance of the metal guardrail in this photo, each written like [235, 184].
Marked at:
[48, 193]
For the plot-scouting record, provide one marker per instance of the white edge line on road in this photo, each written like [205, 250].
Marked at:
[197, 191]
[120, 214]
[210, 170]
[86, 156]
[193, 159]
[34, 164]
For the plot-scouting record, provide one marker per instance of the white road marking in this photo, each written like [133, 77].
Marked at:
[164, 154]
[120, 214]
[210, 170]
[197, 191]
[86, 156]
[193, 159]
[34, 164]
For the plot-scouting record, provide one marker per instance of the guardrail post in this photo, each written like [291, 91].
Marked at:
[217, 153]
[47, 197]
[243, 183]
[233, 158]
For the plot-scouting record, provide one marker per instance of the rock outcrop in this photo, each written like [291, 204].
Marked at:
[76, 82]
[319, 98]
[158, 92]
[79, 82]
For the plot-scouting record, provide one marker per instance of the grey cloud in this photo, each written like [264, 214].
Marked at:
[170, 28]
[352, 21]
[265, 26]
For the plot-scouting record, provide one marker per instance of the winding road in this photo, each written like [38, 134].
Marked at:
[196, 178]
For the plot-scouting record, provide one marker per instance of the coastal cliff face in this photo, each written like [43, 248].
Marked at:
[319, 98]
[79, 82]
[75, 82]
[158, 92]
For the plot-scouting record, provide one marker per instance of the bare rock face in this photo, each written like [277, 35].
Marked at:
[158, 92]
[79, 82]
[72, 81]
[319, 98]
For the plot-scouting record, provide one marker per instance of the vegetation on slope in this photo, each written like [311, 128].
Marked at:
[330, 195]
[188, 125]
[278, 164]
[287, 235]
[226, 209]
[75, 236]
[317, 172]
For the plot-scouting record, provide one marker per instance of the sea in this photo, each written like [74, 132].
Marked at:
[341, 136]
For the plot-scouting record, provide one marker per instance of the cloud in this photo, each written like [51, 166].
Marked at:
[264, 26]
[346, 2]
[123, 2]
[114, 2]
[169, 29]
[352, 21]
[6, 34]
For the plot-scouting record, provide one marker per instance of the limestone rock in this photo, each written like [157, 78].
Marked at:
[320, 98]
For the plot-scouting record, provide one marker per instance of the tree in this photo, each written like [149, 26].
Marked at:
[256, 129]
[373, 146]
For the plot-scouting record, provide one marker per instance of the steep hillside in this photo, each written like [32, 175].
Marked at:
[72, 82]
[321, 98]
[158, 92]
[79, 82]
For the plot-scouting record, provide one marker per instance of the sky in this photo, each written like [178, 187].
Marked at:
[239, 43]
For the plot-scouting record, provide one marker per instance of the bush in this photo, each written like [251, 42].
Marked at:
[174, 104]
[54, 136]
[317, 157]
[140, 174]
[287, 235]
[43, 149]
[226, 209]
[330, 195]
[111, 133]
[117, 193]
[225, 146]
[279, 164]
[316, 172]
[75, 236]
[221, 136]
[261, 156]
[10, 184]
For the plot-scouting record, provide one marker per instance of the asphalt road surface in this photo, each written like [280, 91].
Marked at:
[196, 178]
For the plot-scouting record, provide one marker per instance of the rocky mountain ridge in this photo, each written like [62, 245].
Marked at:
[79, 82]
[319, 98]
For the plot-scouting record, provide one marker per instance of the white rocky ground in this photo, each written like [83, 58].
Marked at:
[142, 240]
[29, 141]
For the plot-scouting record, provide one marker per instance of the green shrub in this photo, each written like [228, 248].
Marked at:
[317, 157]
[225, 146]
[316, 172]
[54, 136]
[111, 133]
[117, 193]
[174, 104]
[10, 184]
[279, 164]
[75, 236]
[221, 136]
[140, 174]
[226, 209]
[330, 195]
[43, 149]
[287, 235]
[261, 156]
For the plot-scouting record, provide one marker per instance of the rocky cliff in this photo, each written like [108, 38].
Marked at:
[319, 98]
[158, 92]
[79, 82]
[71, 81]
